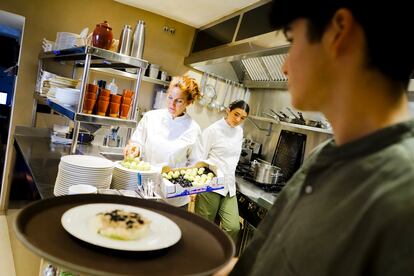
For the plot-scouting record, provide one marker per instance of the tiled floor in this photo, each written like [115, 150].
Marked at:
[25, 262]
[6, 256]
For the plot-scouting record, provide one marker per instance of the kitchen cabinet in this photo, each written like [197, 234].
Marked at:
[92, 58]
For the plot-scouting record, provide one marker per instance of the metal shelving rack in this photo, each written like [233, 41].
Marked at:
[90, 57]
[129, 76]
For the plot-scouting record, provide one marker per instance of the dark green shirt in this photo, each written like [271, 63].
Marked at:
[348, 211]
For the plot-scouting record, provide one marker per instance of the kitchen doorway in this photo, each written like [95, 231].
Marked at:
[11, 37]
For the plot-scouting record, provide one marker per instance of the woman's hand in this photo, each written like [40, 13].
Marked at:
[132, 150]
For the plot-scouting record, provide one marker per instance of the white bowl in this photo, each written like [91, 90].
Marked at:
[82, 189]
[67, 96]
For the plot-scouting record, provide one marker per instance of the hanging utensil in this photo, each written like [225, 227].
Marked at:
[243, 94]
[222, 106]
[228, 99]
[204, 79]
[247, 95]
[213, 104]
[209, 92]
[239, 92]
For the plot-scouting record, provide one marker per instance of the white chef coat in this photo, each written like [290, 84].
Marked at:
[222, 147]
[173, 142]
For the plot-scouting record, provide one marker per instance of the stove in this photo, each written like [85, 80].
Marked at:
[254, 200]
[249, 210]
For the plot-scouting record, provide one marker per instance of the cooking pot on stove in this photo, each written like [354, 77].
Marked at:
[265, 173]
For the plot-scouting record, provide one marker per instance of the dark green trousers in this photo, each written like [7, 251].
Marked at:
[209, 205]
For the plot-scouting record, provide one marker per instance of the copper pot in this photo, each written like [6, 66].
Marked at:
[102, 36]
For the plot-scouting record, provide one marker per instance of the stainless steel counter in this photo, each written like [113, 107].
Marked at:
[42, 157]
[262, 198]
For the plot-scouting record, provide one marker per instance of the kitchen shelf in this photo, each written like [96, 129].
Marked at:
[89, 58]
[129, 76]
[100, 57]
[71, 114]
[273, 121]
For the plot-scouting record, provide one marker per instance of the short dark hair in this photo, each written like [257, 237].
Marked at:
[388, 29]
[240, 104]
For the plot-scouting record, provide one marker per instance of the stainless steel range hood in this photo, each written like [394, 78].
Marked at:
[255, 62]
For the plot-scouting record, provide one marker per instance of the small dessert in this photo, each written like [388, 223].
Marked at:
[122, 225]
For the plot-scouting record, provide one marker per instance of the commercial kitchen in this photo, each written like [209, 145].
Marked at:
[229, 48]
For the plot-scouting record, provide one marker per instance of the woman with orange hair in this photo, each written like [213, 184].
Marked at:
[170, 136]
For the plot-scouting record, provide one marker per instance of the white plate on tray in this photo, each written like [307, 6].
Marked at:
[163, 232]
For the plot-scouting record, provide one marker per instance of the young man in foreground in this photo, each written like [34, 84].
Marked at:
[350, 209]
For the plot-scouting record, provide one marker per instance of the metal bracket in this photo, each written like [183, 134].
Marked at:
[268, 129]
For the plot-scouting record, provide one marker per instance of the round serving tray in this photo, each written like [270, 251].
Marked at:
[203, 249]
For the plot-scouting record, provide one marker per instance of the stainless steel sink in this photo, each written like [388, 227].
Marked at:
[112, 156]
[112, 153]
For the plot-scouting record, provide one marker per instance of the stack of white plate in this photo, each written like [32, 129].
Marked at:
[83, 169]
[55, 81]
[127, 179]
[65, 40]
[67, 96]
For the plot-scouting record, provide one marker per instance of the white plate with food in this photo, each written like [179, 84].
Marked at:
[121, 227]
[139, 167]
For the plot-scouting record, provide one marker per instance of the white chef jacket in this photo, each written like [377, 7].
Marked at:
[173, 142]
[222, 147]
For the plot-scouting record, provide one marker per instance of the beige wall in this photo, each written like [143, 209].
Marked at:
[44, 18]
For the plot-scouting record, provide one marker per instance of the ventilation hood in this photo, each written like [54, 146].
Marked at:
[255, 61]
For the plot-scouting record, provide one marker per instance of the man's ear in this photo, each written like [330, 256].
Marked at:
[340, 33]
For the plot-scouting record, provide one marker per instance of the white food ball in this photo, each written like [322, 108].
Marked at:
[182, 172]
[210, 175]
[164, 175]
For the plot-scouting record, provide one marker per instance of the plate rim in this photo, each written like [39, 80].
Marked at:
[67, 158]
[116, 247]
